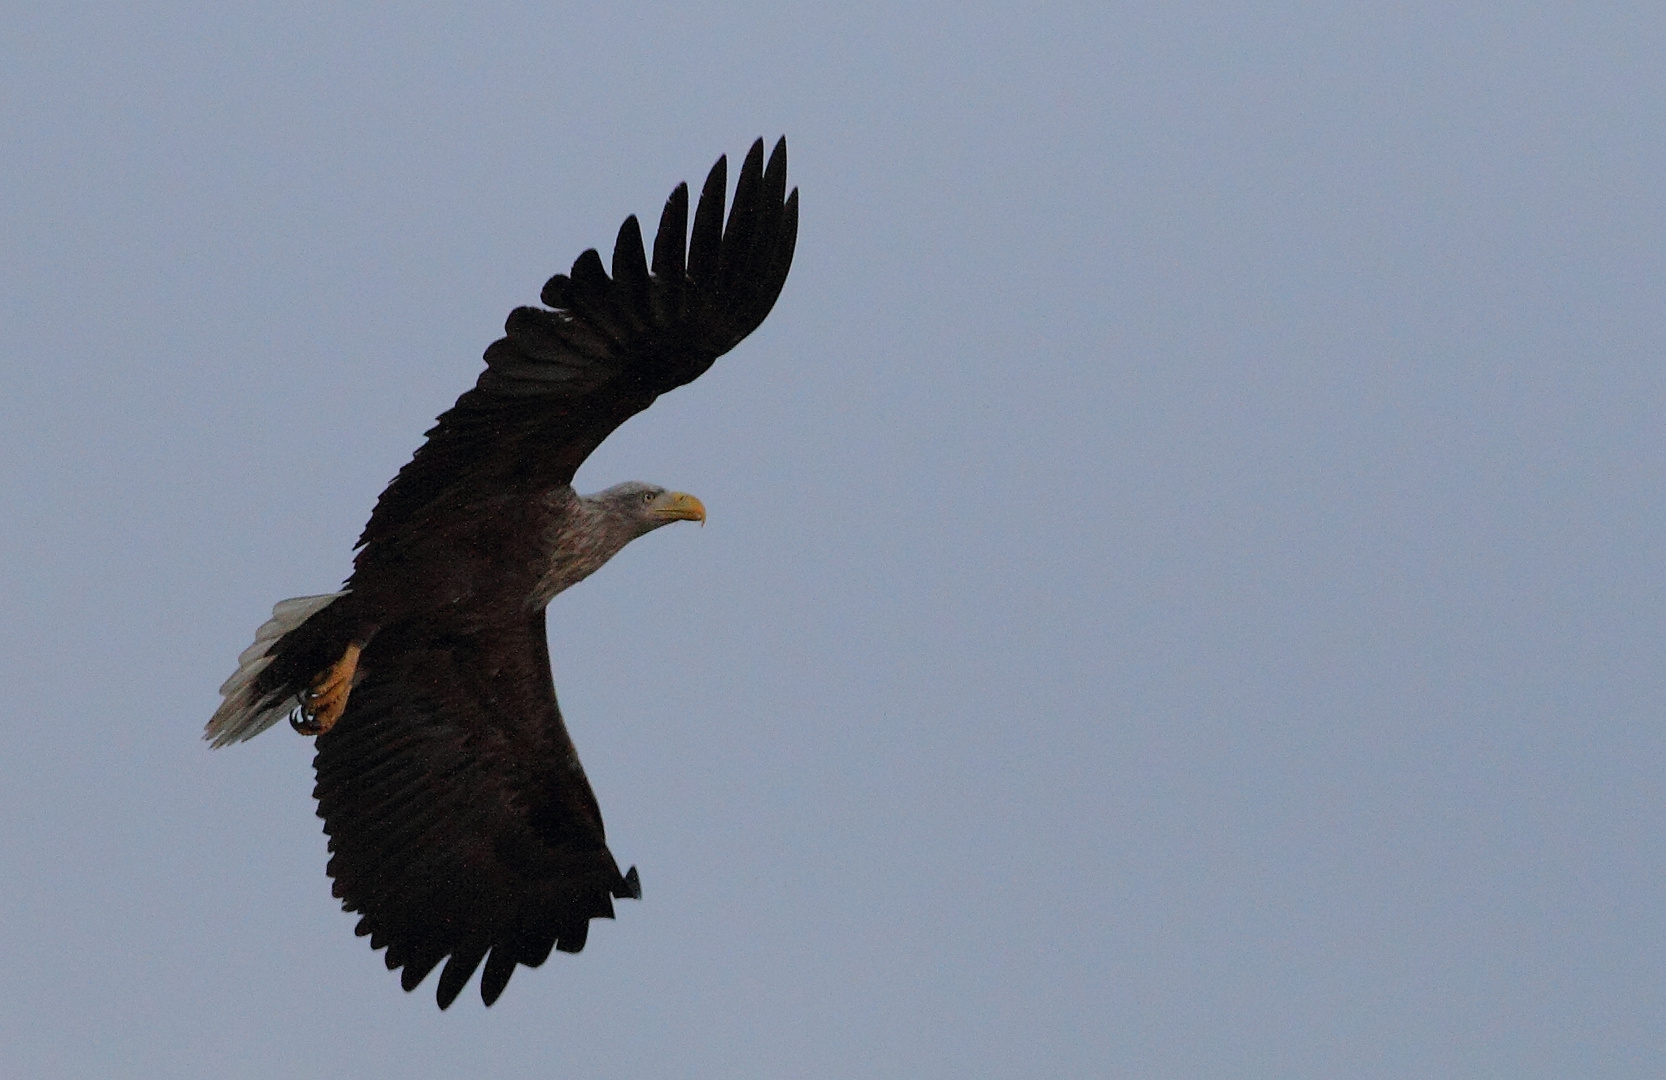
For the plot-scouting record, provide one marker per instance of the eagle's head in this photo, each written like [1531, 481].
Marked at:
[647, 507]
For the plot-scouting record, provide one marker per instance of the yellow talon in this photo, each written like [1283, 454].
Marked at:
[323, 704]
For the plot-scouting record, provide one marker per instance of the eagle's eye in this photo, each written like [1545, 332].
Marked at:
[647, 497]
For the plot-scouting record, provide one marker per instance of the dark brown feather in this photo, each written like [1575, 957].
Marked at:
[705, 244]
[630, 273]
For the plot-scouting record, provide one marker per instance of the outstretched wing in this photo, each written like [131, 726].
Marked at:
[460, 821]
[560, 381]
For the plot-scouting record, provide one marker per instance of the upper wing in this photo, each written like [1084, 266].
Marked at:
[560, 381]
[460, 821]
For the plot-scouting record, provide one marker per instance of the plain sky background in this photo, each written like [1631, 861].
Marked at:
[1183, 593]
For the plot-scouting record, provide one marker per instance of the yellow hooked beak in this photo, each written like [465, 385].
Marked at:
[679, 506]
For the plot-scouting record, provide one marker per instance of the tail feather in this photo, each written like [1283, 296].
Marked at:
[247, 710]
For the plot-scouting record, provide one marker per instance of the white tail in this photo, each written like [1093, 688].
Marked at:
[241, 715]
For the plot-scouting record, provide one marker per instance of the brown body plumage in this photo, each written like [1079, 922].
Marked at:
[460, 820]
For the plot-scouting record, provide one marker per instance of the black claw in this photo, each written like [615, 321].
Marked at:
[302, 718]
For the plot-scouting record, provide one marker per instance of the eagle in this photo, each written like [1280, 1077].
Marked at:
[461, 825]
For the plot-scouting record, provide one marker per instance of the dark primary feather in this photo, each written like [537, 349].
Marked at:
[461, 826]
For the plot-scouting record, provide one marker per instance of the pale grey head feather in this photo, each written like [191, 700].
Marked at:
[591, 529]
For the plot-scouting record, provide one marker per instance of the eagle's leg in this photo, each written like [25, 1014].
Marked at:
[323, 703]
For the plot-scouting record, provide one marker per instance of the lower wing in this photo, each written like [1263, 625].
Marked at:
[460, 821]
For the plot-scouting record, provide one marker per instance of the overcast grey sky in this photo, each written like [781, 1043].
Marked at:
[1183, 590]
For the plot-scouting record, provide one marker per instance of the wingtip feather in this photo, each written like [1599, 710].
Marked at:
[705, 244]
[456, 974]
